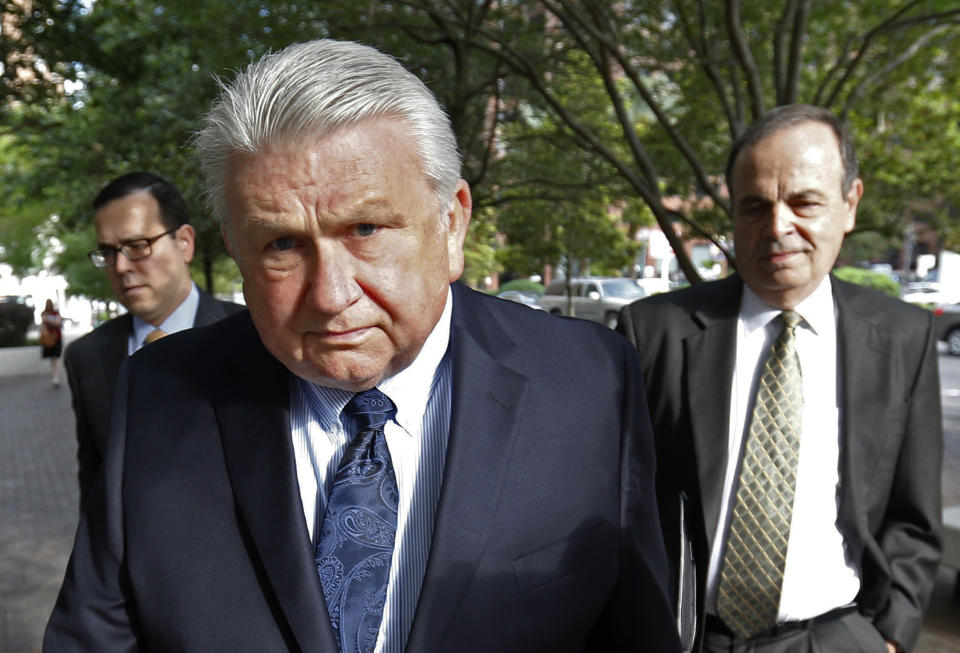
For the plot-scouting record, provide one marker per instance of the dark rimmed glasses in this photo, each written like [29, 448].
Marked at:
[134, 250]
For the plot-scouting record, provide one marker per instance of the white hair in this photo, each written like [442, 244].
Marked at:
[312, 89]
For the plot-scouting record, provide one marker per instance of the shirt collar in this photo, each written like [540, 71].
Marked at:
[180, 319]
[817, 309]
[409, 389]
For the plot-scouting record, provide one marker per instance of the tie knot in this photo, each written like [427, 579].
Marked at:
[370, 409]
[790, 320]
[154, 335]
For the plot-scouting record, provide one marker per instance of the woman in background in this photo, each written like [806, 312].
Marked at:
[51, 339]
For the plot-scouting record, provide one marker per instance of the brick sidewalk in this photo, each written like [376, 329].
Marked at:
[38, 504]
[38, 511]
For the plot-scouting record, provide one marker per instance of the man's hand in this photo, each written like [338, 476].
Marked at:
[891, 647]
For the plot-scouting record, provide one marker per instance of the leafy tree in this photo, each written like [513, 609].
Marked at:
[517, 156]
[564, 109]
[84, 279]
[875, 280]
[146, 68]
[684, 78]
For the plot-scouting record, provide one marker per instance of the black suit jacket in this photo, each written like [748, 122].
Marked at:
[93, 364]
[546, 539]
[891, 434]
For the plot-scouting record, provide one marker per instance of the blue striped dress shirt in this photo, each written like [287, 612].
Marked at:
[418, 446]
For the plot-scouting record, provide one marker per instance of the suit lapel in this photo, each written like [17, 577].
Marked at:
[253, 412]
[112, 354]
[709, 359]
[862, 384]
[485, 404]
[209, 310]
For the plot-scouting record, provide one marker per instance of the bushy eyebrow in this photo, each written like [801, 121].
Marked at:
[806, 193]
[125, 241]
[372, 210]
[752, 200]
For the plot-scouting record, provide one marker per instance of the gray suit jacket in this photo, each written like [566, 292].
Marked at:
[891, 433]
[93, 364]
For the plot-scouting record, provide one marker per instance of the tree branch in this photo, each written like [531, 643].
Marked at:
[910, 22]
[864, 46]
[701, 49]
[745, 57]
[796, 52]
[602, 63]
[832, 73]
[779, 60]
[662, 118]
[858, 90]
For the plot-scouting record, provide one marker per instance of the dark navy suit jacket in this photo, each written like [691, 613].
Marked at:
[547, 535]
[93, 364]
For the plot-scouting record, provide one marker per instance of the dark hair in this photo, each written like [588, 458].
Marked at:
[790, 115]
[173, 208]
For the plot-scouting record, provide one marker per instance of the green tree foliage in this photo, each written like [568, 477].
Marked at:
[146, 69]
[84, 279]
[875, 280]
[523, 285]
[683, 78]
[563, 108]
[531, 185]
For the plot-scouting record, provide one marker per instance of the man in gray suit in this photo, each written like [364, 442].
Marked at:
[852, 387]
[145, 246]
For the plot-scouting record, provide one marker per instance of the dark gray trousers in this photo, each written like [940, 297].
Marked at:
[850, 633]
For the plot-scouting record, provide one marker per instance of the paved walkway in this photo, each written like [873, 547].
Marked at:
[38, 506]
[38, 502]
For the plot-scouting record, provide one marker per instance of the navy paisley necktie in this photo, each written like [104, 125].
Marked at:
[359, 525]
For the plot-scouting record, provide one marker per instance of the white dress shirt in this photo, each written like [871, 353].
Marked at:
[417, 441]
[183, 317]
[818, 576]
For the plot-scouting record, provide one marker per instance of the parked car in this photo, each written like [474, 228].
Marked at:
[927, 293]
[594, 298]
[526, 298]
[16, 318]
[946, 321]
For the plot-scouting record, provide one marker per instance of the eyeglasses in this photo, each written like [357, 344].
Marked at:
[134, 250]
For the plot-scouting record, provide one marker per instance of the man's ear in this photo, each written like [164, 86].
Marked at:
[853, 200]
[458, 221]
[186, 241]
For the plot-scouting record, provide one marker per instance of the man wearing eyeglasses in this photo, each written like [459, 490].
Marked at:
[144, 245]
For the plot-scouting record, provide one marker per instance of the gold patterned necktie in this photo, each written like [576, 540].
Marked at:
[751, 573]
[154, 335]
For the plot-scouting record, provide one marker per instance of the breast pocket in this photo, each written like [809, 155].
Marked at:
[596, 547]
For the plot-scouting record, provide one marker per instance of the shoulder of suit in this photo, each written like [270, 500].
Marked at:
[530, 329]
[722, 293]
[92, 343]
[231, 307]
[210, 304]
[119, 327]
[202, 346]
[874, 305]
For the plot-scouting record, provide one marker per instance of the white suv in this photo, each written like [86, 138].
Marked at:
[594, 298]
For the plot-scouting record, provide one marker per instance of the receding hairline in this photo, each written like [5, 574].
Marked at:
[780, 130]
